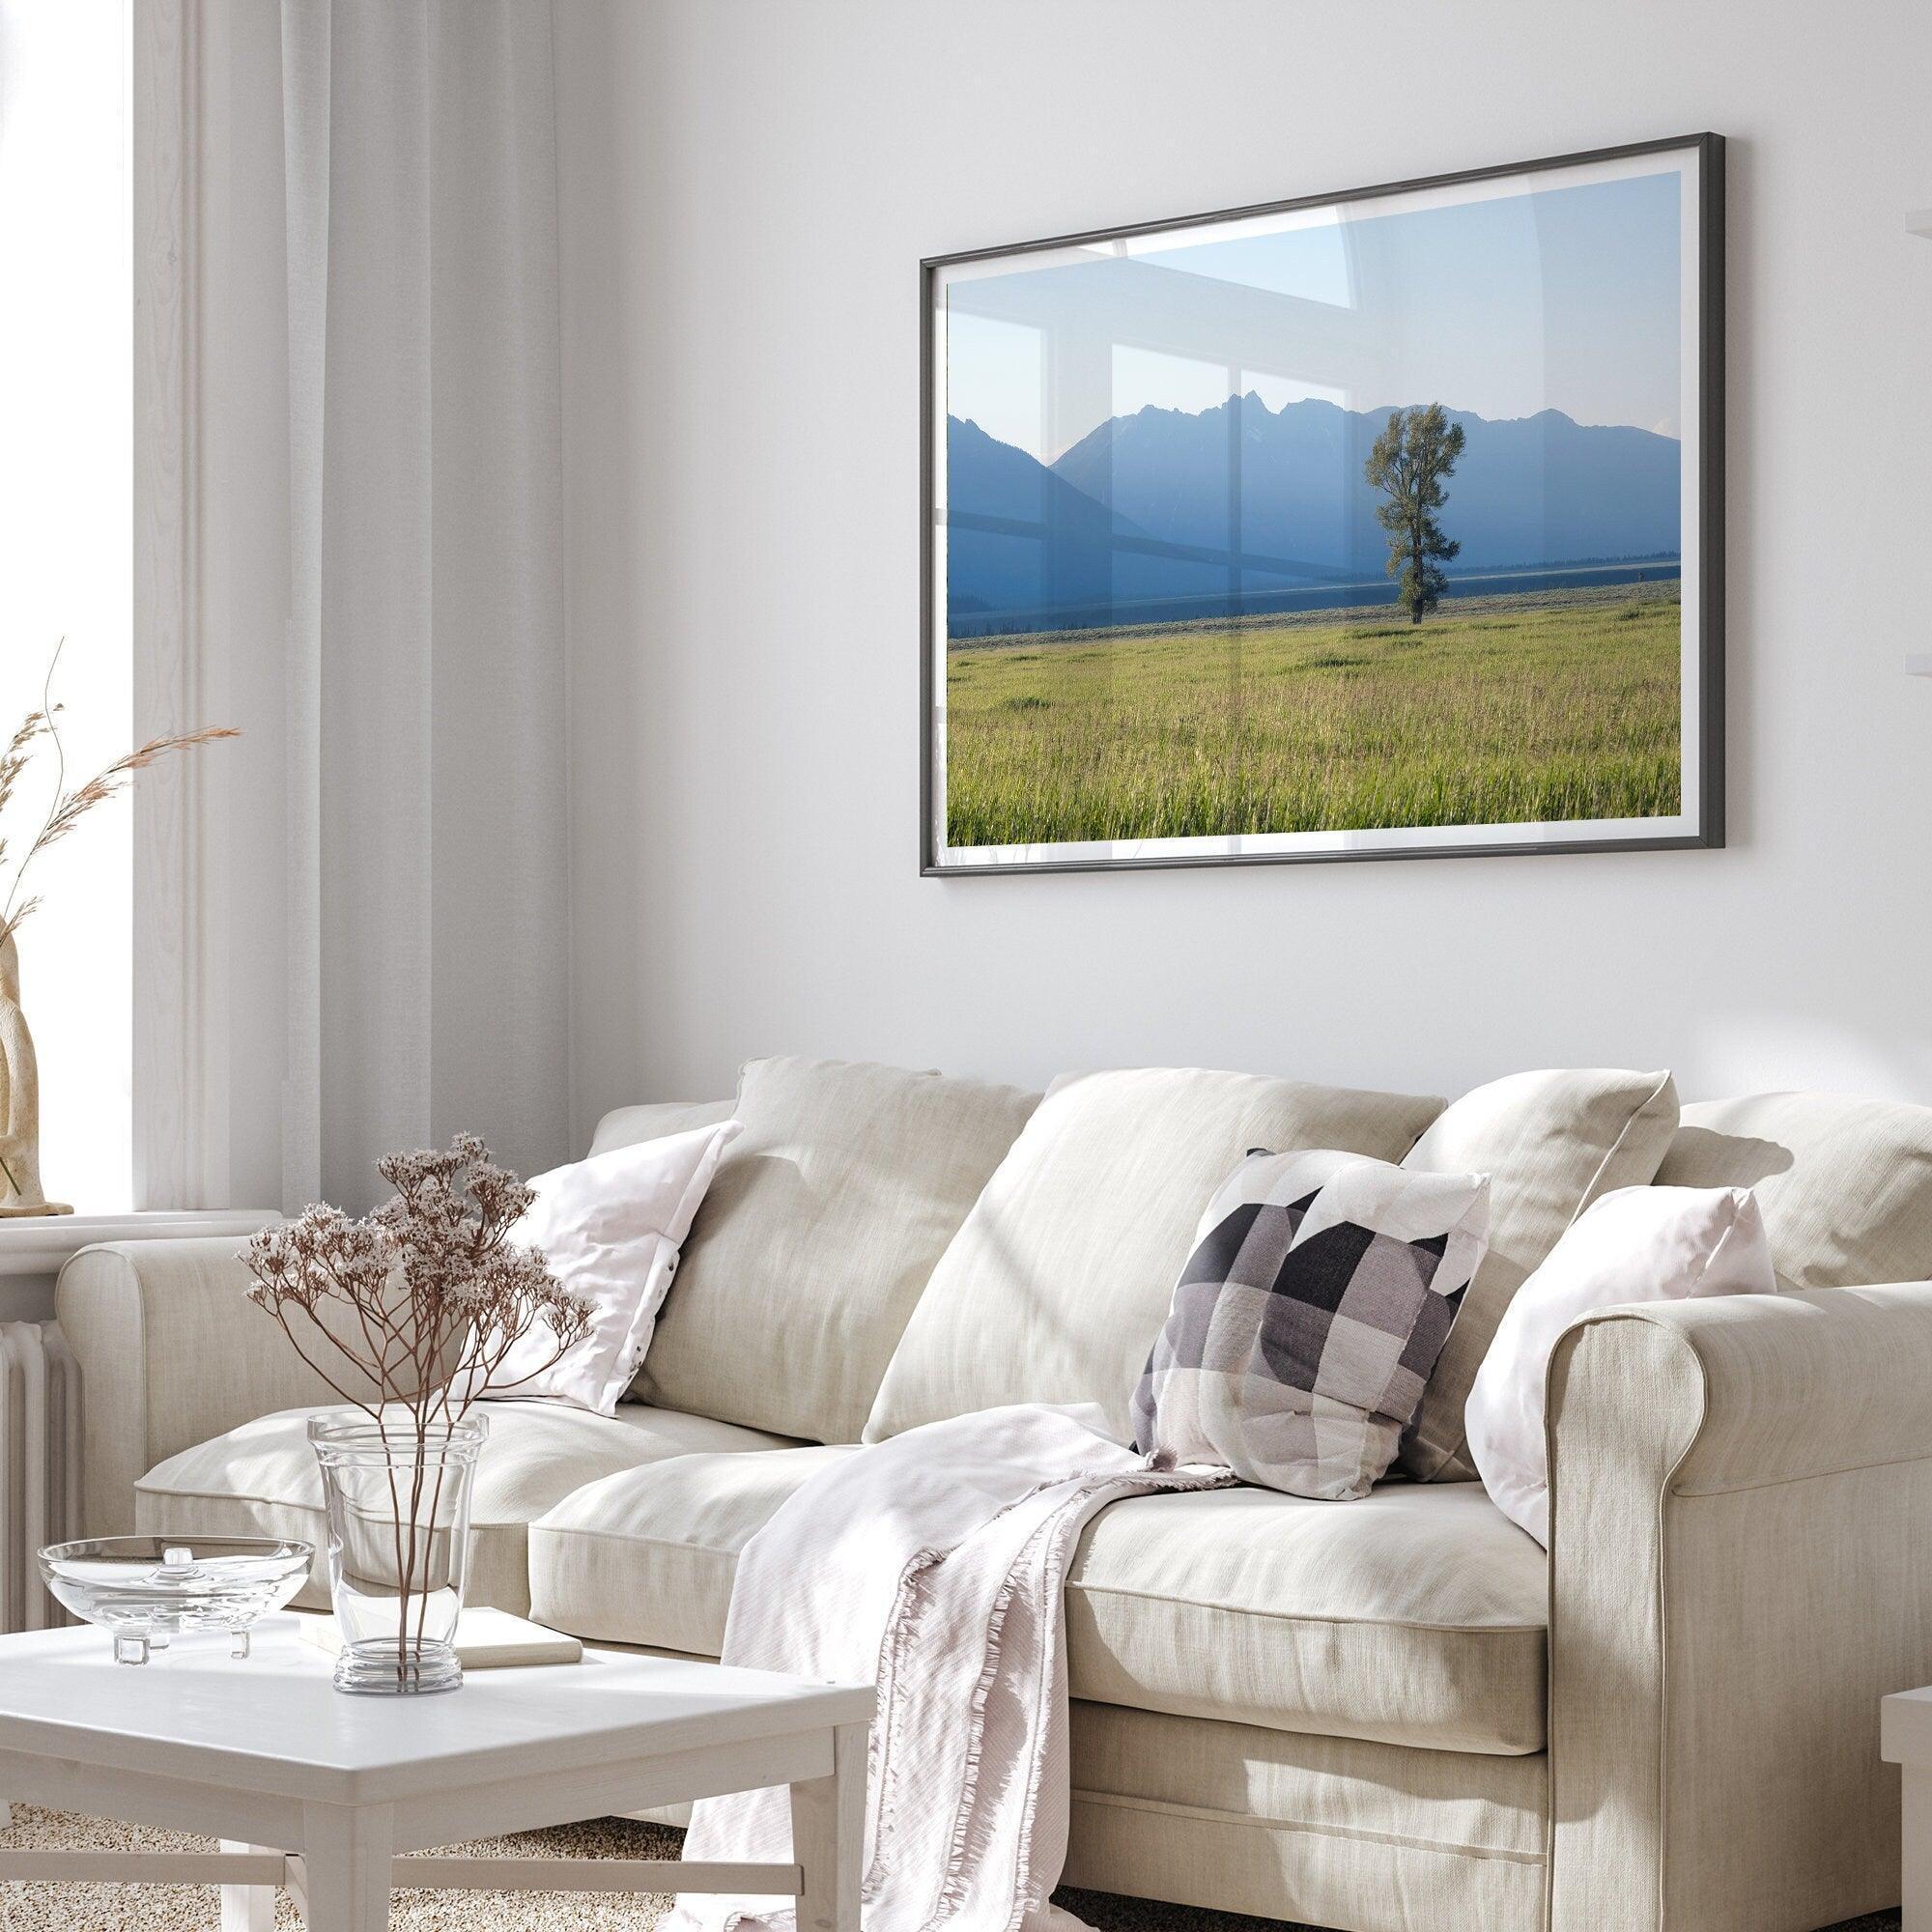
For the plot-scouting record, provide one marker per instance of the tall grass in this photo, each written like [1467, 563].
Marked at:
[1562, 705]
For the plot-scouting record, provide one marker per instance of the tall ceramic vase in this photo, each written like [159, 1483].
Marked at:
[397, 1495]
[19, 1100]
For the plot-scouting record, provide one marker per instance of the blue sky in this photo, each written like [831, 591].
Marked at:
[1565, 298]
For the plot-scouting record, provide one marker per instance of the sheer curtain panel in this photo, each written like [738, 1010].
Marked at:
[426, 910]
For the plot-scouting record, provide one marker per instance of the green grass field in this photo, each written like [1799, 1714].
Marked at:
[1549, 705]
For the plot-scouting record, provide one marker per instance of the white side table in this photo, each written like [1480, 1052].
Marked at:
[1905, 1739]
[34, 1248]
[312, 1790]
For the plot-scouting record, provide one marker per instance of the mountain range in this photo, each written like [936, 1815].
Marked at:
[1244, 506]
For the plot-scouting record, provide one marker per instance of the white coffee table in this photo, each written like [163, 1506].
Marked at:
[320, 1792]
[1905, 1739]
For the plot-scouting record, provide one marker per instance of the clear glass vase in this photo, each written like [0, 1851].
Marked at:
[397, 1494]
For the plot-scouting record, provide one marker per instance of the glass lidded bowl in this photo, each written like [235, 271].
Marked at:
[146, 1590]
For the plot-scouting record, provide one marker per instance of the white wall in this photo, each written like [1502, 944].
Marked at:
[747, 186]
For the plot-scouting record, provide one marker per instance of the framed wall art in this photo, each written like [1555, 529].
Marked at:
[1378, 525]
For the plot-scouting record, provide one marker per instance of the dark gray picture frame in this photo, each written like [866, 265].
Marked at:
[1700, 822]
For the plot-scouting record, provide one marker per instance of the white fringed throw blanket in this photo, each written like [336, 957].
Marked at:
[932, 1562]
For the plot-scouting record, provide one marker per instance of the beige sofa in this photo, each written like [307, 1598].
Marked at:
[1396, 1715]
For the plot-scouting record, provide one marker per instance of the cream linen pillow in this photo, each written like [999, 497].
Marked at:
[1551, 1143]
[1845, 1184]
[1059, 1282]
[1638, 1244]
[825, 1220]
[610, 1228]
[625, 1126]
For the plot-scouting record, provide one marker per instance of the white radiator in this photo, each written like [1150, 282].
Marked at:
[40, 1466]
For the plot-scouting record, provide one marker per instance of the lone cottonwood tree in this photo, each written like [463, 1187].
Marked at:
[1416, 451]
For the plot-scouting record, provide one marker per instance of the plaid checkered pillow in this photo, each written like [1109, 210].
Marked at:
[1303, 1328]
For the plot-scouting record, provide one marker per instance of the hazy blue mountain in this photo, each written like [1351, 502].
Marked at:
[1541, 490]
[1538, 490]
[989, 483]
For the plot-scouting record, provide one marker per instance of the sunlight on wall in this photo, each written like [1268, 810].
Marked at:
[65, 545]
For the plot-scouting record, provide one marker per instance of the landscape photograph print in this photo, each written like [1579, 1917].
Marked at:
[1373, 525]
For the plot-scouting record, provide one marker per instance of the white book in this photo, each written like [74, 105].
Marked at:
[484, 1639]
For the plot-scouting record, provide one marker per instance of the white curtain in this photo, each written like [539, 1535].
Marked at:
[427, 915]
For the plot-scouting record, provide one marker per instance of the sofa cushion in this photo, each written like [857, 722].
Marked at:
[1414, 1616]
[1551, 1143]
[621, 1561]
[626, 1126]
[825, 1219]
[1844, 1183]
[261, 1480]
[1060, 1280]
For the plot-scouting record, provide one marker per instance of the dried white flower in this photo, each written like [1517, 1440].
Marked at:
[424, 1287]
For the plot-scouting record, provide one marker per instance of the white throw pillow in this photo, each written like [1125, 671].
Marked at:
[611, 1227]
[1638, 1244]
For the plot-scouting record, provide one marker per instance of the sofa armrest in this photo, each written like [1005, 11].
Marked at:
[1741, 1567]
[170, 1352]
